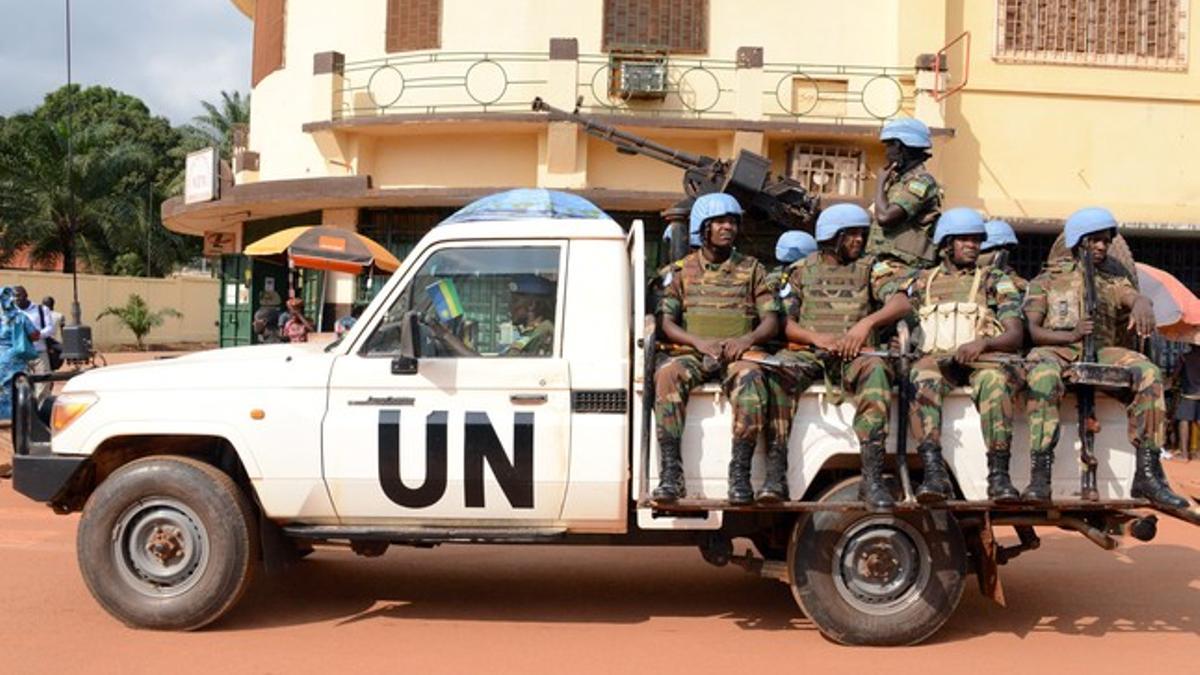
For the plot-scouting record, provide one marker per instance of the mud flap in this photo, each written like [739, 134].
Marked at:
[987, 569]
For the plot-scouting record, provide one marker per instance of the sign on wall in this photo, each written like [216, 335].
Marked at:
[201, 176]
[222, 243]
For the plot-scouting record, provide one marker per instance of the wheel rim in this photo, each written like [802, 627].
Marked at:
[161, 547]
[881, 565]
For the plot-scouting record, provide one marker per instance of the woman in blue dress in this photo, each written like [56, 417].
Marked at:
[17, 335]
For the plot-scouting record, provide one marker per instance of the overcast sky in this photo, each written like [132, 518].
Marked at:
[170, 53]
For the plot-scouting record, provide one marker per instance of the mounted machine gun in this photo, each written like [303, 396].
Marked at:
[776, 199]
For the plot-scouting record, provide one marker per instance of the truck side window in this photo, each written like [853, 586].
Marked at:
[479, 302]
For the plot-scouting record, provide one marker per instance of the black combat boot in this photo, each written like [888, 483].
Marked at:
[1147, 484]
[1039, 491]
[740, 492]
[1000, 488]
[872, 489]
[936, 486]
[670, 473]
[775, 487]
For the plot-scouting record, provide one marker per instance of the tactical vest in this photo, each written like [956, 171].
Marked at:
[718, 303]
[909, 242]
[1064, 306]
[951, 314]
[834, 297]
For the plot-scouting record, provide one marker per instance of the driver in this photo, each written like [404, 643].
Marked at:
[531, 308]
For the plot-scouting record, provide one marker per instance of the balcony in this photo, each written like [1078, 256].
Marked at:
[670, 90]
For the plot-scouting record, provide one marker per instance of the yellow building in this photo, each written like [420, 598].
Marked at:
[386, 115]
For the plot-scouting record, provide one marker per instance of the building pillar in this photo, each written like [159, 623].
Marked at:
[563, 148]
[340, 287]
[327, 106]
[749, 84]
[931, 77]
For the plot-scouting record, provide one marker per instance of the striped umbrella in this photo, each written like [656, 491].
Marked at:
[1176, 309]
[321, 247]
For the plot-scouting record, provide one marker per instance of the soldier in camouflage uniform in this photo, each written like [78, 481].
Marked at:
[836, 301]
[907, 200]
[970, 313]
[791, 246]
[1054, 312]
[997, 251]
[715, 306]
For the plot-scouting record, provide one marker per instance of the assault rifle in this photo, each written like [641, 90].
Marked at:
[778, 199]
[1085, 393]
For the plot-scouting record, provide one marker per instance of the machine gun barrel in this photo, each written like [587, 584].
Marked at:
[627, 142]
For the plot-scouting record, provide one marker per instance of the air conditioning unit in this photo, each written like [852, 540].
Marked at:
[638, 75]
[828, 170]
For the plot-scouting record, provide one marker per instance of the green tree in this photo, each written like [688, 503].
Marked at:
[136, 317]
[105, 123]
[40, 213]
[217, 124]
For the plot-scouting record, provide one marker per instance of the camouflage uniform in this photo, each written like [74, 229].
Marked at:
[993, 386]
[537, 340]
[826, 296]
[1019, 281]
[1057, 294]
[907, 245]
[695, 292]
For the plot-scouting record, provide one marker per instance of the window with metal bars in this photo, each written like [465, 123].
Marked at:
[828, 170]
[1148, 34]
[676, 26]
[413, 25]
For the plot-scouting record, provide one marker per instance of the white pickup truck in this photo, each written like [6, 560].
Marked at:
[192, 472]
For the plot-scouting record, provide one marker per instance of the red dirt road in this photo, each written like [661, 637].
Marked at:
[489, 609]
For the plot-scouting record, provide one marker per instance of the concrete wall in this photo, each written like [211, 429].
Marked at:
[1039, 141]
[195, 297]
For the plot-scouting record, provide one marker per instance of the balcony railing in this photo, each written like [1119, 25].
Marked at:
[435, 82]
[695, 88]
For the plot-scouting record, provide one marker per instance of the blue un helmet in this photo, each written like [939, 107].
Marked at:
[707, 207]
[999, 233]
[794, 245]
[1087, 221]
[841, 217]
[957, 222]
[909, 131]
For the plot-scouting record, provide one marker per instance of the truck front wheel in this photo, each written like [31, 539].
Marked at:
[876, 579]
[167, 543]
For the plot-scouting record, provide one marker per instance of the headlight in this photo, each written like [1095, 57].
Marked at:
[68, 408]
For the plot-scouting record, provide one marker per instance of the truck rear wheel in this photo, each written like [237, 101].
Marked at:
[876, 579]
[167, 543]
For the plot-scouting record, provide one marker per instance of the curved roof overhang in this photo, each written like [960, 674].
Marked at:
[268, 199]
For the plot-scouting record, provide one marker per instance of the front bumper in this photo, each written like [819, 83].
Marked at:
[38, 473]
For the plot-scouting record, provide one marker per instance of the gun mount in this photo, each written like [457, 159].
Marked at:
[776, 199]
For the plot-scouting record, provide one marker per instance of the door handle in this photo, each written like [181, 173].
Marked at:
[528, 399]
[384, 400]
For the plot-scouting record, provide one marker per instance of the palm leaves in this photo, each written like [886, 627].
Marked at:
[218, 123]
[135, 315]
[37, 209]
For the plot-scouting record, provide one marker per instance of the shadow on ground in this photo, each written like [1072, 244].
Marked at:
[1068, 587]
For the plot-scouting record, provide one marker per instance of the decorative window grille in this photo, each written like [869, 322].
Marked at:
[413, 25]
[828, 170]
[1149, 34]
[676, 26]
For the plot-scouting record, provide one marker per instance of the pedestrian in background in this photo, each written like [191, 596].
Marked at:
[40, 317]
[1187, 410]
[298, 326]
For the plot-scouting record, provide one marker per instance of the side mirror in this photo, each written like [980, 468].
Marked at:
[410, 345]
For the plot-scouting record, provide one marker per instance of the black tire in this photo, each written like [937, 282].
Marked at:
[917, 586]
[195, 515]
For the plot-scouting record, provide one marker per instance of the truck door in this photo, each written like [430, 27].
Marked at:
[480, 431]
